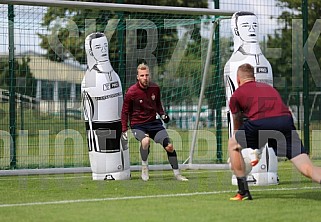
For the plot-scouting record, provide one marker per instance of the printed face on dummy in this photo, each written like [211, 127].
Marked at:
[99, 47]
[247, 27]
[143, 78]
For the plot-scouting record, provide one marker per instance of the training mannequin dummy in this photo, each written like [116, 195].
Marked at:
[102, 103]
[244, 26]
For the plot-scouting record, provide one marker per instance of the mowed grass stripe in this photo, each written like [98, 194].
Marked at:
[148, 197]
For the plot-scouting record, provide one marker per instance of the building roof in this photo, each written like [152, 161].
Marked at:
[45, 69]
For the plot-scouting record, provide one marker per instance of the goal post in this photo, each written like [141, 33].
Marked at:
[204, 79]
[177, 42]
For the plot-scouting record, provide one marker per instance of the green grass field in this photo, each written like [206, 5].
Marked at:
[205, 197]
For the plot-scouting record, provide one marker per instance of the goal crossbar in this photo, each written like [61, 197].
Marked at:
[121, 7]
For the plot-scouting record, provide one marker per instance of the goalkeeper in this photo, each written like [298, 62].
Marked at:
[141, 105]
[269, 120]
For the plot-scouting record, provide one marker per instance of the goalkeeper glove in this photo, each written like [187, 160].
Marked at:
[165, 118]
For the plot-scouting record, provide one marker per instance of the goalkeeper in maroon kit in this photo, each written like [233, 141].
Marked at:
[141, 105]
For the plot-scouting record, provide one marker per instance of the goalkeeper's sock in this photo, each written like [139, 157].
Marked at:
[145, 163]
[176, 172]
[242, 185]
[144, 153]
[172, 159]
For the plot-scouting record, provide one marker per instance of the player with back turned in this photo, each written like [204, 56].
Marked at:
[269, 120]
[142, 103]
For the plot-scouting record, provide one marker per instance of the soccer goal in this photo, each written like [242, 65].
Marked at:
[186, 49]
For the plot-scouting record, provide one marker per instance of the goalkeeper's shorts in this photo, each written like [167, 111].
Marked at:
[155, 130]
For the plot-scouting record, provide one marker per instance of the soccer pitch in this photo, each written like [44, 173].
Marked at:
[205, 197]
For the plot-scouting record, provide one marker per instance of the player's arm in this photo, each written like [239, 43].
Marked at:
[160, 109]
[237, 114]
[159, 105]
[125, 112]
[237, 120]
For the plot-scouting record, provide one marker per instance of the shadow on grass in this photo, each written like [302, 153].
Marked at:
[311, 194]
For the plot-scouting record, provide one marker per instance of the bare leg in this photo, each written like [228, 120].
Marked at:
[236, 158]
[238, 167]
[304, 165]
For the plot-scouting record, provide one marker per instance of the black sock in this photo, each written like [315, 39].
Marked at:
[172, 159]
[243, 186]
[144, 153]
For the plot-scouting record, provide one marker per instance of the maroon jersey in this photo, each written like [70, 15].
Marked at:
[141, 105]
[257, 101]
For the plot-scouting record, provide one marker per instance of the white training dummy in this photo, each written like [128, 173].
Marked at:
[102, 103]
[247, 50]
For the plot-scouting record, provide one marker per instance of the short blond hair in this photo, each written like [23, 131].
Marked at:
[142, 66]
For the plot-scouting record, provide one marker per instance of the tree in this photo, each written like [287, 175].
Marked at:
[60, 45]
[25, 82]
[282, 38]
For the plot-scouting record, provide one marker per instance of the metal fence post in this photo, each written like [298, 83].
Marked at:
[12, 87]
[306, 76]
